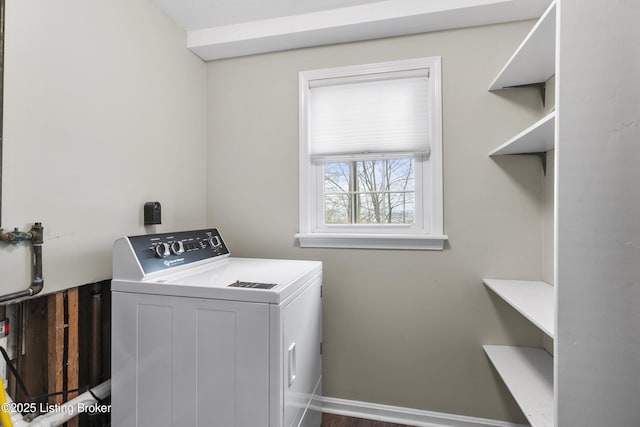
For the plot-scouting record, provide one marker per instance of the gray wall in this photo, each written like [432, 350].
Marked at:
[104, 110]
[402, 328]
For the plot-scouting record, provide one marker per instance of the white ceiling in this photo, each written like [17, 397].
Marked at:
[226, 28]
[193, 15]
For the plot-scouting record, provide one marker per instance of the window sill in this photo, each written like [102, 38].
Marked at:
[371, 241]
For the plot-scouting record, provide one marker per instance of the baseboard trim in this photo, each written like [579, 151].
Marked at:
[407, 416]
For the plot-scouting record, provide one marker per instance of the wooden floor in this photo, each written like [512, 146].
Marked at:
[330, 420]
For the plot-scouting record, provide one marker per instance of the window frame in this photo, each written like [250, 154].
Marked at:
[427, 231]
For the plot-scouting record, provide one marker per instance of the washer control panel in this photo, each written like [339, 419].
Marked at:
[252, 285]
[157, 252]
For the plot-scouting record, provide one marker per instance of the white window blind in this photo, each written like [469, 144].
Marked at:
[372, 113]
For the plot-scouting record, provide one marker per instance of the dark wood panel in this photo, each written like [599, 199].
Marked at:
[331, 420]
[31, 332]
[52, 334]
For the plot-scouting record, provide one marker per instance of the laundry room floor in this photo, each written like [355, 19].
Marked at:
[331, 420]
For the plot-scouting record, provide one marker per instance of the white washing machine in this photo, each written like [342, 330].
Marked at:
[201, 338]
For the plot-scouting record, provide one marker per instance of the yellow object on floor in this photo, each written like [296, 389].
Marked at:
[5, 418]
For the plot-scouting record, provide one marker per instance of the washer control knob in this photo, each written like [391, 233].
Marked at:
[177, 247]
[162, 250]
[214, 241]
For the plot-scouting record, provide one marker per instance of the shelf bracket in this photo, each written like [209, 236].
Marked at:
[542, 155]
[543, 159]
[542, 88]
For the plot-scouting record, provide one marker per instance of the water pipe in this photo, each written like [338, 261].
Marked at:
[35, 235]
[71, 409]
[57, 415]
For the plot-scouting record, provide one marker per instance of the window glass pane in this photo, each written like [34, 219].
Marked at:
[400, 175]
[336, 177]
[369, 208]
[386, 208]
[401, 208]
[337, 209]
[386, 175]
[370, 175]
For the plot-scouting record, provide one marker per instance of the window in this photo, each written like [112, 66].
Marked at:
[369, 192]
[371, 156]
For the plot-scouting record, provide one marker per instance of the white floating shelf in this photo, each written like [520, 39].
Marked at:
[533, 299]
[528, 374]
[534, 60]
[537, 138]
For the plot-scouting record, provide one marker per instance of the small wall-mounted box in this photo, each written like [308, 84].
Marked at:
[152, 213]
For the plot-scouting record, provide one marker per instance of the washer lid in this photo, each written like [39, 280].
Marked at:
[214, 280]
